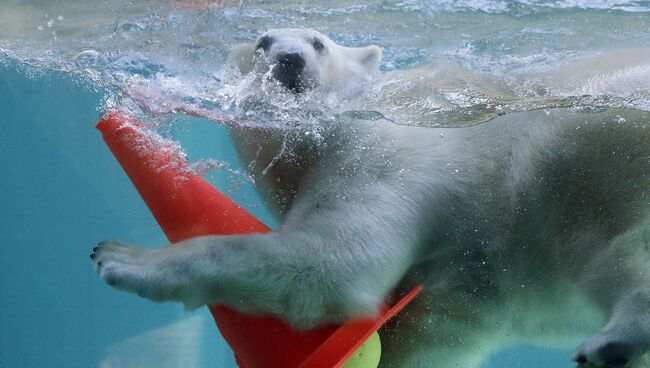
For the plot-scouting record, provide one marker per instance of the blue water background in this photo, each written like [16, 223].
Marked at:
[61, 192]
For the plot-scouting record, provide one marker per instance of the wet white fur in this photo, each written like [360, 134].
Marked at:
[531, 228]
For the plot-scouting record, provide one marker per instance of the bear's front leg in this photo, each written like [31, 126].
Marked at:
[249, 272]
[304, 278]
[331, 261]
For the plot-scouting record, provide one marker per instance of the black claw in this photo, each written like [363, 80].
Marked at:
[95, 249]
[581, 359]
[99, 264]
[92, 256]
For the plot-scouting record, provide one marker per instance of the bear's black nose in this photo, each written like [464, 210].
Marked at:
[288, 70]
[292, 60]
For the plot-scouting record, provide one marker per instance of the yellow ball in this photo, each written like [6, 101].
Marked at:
[367, 356]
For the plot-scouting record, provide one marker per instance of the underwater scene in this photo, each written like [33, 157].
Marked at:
[494, 152]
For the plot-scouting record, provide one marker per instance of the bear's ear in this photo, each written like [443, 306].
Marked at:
[369, 57]
[243, 57]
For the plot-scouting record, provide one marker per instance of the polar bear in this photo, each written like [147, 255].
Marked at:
[302, 59]
[533, 227]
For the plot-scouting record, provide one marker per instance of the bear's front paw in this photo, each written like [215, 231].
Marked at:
[155, 274]
[614, 348]
[130, 269]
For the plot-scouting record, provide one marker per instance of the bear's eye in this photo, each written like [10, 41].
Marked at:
[317, 45]
[264, 43]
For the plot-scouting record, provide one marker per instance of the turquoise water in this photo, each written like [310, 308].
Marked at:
[61, 190]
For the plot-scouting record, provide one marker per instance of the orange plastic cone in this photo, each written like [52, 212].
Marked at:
[185, 206]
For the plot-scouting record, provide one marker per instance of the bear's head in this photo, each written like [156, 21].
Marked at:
[302, 59]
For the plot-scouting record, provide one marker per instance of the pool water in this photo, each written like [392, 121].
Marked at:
[62, 192]
[63, 62]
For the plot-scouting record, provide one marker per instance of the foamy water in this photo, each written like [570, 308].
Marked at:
[163, 57]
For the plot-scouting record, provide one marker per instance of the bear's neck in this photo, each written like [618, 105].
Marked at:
[278, 170]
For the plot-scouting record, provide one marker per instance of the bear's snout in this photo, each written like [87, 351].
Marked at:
[288, 70]
[291, 60]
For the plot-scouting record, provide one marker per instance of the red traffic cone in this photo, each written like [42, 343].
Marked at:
[185, 206]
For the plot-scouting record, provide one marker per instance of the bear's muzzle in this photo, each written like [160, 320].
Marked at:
[288, 70]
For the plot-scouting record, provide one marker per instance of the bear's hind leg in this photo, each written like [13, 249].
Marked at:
[624, 340]
[617, 277]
